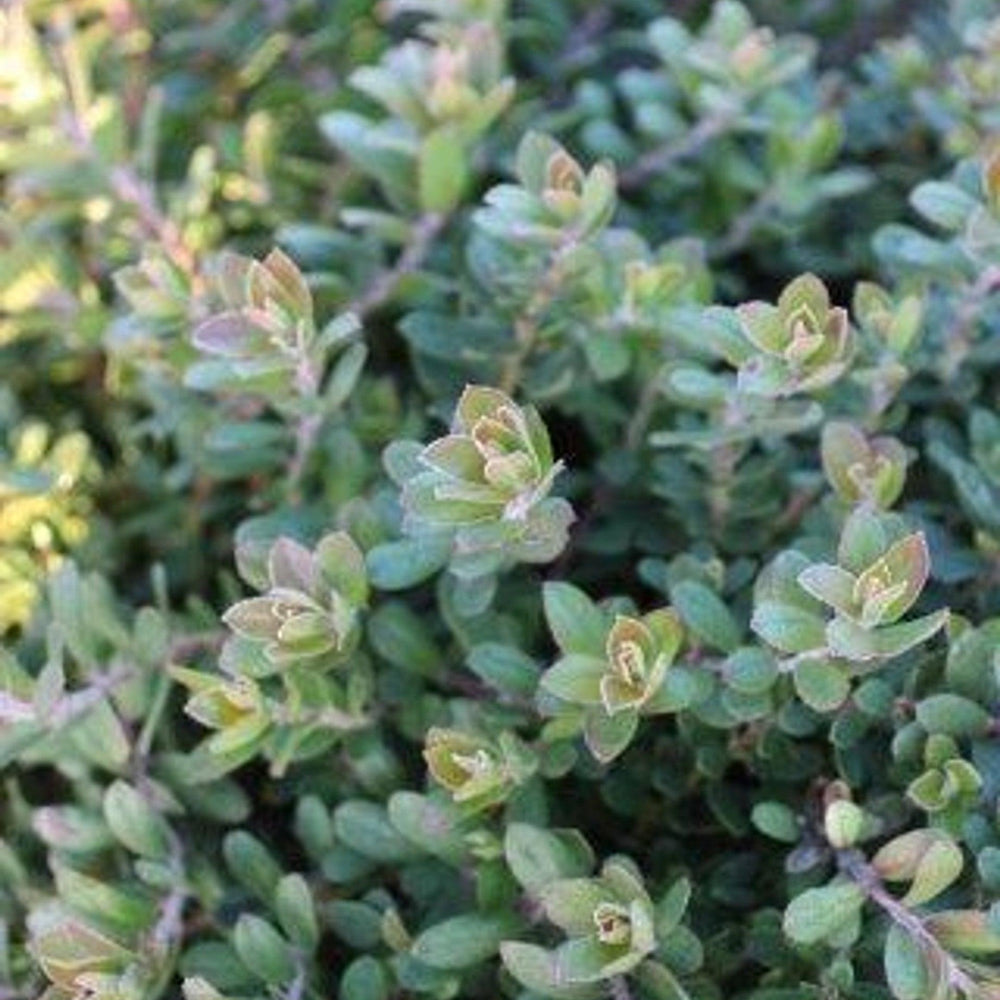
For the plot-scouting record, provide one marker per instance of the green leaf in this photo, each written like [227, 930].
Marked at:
[607, 355]
[463, 941]
[100, 737]
[898, 860]
[355, 923]
[442, 170]
[822, 684]
[263, 950]
[403, 564]
[682, 688]
[670, 909]
[751, 671]
[135, 822]
[365, 979]
[843, 823]
[863, 540]
[569, 903]
[293, 904]
[705, 614]
[659, 983]
[597, 199]
[820, 913]
[365, 828]
[946, 205]
[430, 825]
[343, 380]
[586, 960]
[953, 715]
[966, 931]
[606, 735]
[401, 637]
[831, 585]
[576, 623]
[905, 970]
[777, 821]
[852, 642]
[939, 866]
[533, 154]
[540, 972]
[576, 678]
[68, 949]
[342, 564]
[252, 864]
[505, 668]
[788, 628]
[537, 857]
[102, 901]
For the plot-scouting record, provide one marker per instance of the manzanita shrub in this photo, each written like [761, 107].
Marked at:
[500, 500]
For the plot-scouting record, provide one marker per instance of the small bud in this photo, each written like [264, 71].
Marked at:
[843, 822]
[803, 343]
[612, 923]
[309, 613]
[488, 482]
[752, 53]
[859, 468]
[477, 772]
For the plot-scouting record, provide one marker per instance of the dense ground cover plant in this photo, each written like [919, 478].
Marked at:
[500, 499]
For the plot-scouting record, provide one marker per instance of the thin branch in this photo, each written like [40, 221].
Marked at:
[619, 988]
[123, 179]
[169, 927]
[595, 22]
[657, 160]
[14, 710]
[854, 866]
[306, 432]
[297, 987]
[639, 424]
[412, 256]
[197, 642]
[307, 382]
[798, 503]
[325, 718]
[528, 324]
[959, 335]
[745, 224]
[72, 706]
[308, 377]
[168, 933]
[605, 494]
[723, 460]
[133, 190]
